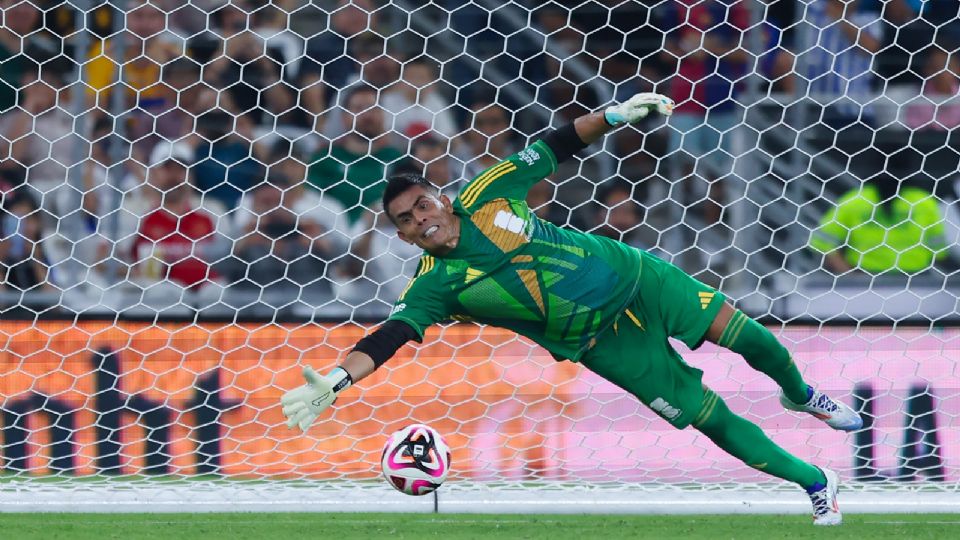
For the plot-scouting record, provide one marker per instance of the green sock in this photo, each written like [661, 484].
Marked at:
[745, 441]
[765, 354]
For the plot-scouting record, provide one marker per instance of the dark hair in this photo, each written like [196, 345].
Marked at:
[618, 185]
[399, 183]
[425, 61]
[181, 66]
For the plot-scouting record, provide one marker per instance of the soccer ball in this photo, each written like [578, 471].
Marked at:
[416, 460]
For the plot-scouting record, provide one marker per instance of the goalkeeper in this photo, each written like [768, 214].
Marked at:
[585, 298]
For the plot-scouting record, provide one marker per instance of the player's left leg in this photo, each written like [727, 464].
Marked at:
[692, 312]
[732, 329]
[635, 354]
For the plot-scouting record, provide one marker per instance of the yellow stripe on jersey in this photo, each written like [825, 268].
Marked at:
[485, 182]
[635, 320]
[529, 280]
[427, 263]
[476, 183]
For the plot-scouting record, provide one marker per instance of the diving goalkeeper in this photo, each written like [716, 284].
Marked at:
[584, 298]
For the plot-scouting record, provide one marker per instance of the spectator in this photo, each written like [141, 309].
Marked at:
[415, 104]
[353, 168]
[776, 64]
[431, 159]
[844, 36]
[20, 47]
[272, 23]
[705, 44]
[326, 70]
[320, 216]
[950, 205]
[326, 60]
[175, 241]
[147, 44]
[227, 162]
[938, 109]
[619, 216]
[183, 99]
[489, 141]
[23, 263]
[37, 137]
[288, 234]
[245, 67]
[883, 226]
[378, 69]
[143, 188]
[92, 241]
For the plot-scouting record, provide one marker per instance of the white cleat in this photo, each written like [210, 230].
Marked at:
[826, 512]
[835, 413]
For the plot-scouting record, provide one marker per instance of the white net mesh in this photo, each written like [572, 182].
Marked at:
[190, 209]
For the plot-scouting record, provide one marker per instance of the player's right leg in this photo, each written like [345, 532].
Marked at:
[748, 443]
[733, 330]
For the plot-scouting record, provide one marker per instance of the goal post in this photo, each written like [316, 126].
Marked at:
[190, 214]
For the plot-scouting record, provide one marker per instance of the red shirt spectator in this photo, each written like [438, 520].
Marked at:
[705, 39]
[176, 239]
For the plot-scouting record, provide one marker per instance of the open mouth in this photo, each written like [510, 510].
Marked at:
[429, 232]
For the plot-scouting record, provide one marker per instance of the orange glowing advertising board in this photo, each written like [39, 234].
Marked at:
[171, 398]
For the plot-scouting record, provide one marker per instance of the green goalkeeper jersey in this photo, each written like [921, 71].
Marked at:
[510, 269]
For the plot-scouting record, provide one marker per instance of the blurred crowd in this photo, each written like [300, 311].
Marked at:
[183, 152]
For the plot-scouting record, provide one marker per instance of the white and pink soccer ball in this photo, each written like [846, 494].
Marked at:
[416, 460]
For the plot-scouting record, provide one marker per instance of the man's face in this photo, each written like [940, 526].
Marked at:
[368, 117]
[491, 120]
[419, 75]
[19, 17]
[424, 220]
[266, 198]
[145, 21]
[167, 175]
[623, 214]
[351, 18]
[42, 96]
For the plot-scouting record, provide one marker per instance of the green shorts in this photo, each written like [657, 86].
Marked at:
[635, 354]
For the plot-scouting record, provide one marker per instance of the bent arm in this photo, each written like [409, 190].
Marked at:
[586, 129]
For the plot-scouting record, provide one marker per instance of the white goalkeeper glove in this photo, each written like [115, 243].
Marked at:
[303, 405]
[637, 108]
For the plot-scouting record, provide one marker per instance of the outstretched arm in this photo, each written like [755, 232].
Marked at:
[303, 405]
[586, 129]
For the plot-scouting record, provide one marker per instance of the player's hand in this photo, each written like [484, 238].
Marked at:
[637, 108]
[303, 405]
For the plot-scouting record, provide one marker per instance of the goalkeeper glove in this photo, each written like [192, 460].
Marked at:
[303, 405]
[637, 108]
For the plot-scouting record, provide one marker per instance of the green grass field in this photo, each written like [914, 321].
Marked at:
[458, 526]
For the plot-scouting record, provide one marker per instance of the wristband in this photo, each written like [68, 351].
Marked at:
[340, 378]
[613, 117]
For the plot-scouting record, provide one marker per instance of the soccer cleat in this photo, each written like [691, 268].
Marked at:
[826, 511]
[835, 413]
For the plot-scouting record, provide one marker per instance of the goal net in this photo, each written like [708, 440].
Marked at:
[190, 213]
